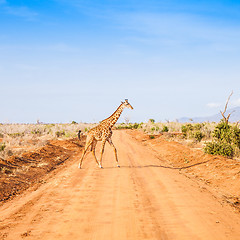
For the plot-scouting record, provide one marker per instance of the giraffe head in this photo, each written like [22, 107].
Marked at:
[126, 104]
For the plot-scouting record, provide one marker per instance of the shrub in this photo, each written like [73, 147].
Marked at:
[153, 129]
[152, 120]
[198, 135]
[36, 131]
[193, 131]
[198, 126]
[186, 129]
[226, 133]
[60, 133]
[165, 129]
[135, 125]
[219, 148]
[226, 140]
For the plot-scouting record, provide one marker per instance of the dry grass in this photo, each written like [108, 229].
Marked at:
[18, 138]
[156, 128]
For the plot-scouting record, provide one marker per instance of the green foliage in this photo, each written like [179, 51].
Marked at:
[226, 140]
[60, 133]
[198, 136]
[198, 126]
[135, 126]
[151, 136]
[73, 122]
[193, 131]
[2, 146]
[17, 134]
[36, 131]
[152, 120]
[186, 129]
[129, 126]
[165, 129]
[219, 148]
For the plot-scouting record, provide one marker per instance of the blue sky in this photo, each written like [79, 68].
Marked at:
[64, 60]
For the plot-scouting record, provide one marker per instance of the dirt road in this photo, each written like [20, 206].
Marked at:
[144, 199]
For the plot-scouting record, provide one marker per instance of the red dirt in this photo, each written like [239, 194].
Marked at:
[20, 172]
[218, 174]
[161, 191]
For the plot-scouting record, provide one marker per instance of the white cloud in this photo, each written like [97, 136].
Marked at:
[213, 105]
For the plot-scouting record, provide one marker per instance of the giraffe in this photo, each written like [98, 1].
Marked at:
[103, 133]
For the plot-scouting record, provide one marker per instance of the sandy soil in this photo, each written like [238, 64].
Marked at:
[147, 198]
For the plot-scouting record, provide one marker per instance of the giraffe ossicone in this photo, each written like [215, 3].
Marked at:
[103, 132]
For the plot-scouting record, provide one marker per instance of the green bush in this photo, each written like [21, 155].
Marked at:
[135, 126]
[165, 129]
[226, 140]
[193, 131]
[219, 148]
[226, 133]
[198, 126]
[152, 120]
[60, 133]
[36, 131]
[198, 135]
[15, 135]
[186, 129]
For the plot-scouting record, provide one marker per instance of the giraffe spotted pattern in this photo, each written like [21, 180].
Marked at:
[103, 133]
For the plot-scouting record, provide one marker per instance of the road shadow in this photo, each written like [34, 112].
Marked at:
[159, 166]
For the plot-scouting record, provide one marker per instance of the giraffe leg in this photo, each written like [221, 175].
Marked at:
[93, 151]
[115, 150]
[84, 152]
[102, 151]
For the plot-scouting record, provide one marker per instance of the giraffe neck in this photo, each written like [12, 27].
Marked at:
[114, 117]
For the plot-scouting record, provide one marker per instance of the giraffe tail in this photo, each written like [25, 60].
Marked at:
[79, 132]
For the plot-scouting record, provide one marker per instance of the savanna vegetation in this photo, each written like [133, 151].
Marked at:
[221, 138]
[18, 138]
